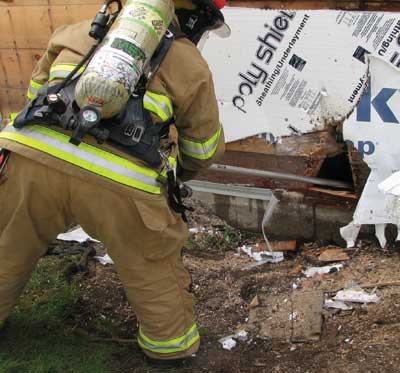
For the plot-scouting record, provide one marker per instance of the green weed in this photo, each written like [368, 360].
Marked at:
[38, 337]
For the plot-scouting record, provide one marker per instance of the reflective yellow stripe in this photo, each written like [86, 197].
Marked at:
[61, 71]
[158, 104]
[173, 161]
[35, 85]
[85, 156]
[33, 89]
[179, 344]
[202, 150]
[162, 177]
[13, 116]
[30, 96]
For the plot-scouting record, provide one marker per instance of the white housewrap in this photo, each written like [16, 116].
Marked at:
[288, 72]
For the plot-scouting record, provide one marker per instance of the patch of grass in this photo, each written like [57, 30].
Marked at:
[49, 297]
[26, 349]
[191, 243]
[105, 327]
[221, 240]
[38, 337]
[8, 365]
[232, 236]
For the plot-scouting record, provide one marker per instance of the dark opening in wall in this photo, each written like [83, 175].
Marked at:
[337, 168]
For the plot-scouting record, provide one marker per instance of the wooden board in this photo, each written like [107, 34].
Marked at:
[24, 33]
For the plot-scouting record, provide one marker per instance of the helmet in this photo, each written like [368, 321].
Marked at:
[203, 16]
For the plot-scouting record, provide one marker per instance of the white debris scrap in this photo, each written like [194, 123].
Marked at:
[242, 335]
[356, 296]
[106, 259]
[264, 256]
[229, 341]
[294, 316]
[247, 250]
[330, 303]
[312, 271]
[78, 235]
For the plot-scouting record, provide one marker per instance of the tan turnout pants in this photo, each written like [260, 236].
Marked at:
[142, 235]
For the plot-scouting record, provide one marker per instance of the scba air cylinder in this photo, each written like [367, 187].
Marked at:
[115, 69]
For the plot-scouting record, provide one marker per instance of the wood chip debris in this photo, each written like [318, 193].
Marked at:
[333, 255]
[290, 245]
[254, 303]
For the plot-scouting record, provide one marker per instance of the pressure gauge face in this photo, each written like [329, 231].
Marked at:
[90, 116]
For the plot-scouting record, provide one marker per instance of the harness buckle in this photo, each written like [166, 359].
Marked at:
[57, 103]
[134, 131]
[169, 34]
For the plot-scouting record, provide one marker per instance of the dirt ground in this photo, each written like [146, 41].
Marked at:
[365, 339]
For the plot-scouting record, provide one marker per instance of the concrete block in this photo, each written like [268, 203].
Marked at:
[307, 311]
[288, 318]
[329, 220]
[292, 219]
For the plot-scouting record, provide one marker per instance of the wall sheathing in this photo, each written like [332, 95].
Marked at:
[26, 26]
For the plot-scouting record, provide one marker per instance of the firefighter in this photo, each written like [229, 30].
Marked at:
[47, 184]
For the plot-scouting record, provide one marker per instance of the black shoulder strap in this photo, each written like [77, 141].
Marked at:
[173, 33]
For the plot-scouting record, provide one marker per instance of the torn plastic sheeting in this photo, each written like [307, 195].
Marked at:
[269, 256]
[263, 256]
[312, 271]
[78, 235]
[336, 304]
[373, 128]
[266, 219]
[391, 185]
[105, 259]
[356, 296]
[350, 233]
